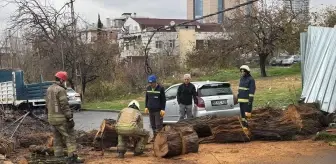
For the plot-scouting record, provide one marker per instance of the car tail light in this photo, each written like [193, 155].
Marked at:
[200, 102]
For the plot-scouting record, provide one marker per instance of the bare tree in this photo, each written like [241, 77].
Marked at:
[57, 47]
[325, 17]
[261, 31]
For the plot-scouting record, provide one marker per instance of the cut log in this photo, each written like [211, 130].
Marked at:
[307, 117]
[33, 139]
[106, 136]
[220, 130]
[270, 124]
[174, 141]
[227, 130]
[199, 124]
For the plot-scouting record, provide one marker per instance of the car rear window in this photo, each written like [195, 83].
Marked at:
[214, 90]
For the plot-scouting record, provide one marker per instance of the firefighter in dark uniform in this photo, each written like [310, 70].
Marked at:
[155, 104]
[246, 91]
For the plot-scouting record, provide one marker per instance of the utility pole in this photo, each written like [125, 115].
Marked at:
[73, 38]
[10, 47]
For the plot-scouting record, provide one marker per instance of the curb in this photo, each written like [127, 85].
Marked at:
[102, 110]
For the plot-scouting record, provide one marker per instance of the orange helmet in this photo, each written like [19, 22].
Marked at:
[62, 75]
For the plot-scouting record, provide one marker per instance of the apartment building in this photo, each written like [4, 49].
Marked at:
[199, 8]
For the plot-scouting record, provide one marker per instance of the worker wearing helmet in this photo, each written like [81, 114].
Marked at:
[130, 124]
[155, 104]
[245, 94]
[60, 117]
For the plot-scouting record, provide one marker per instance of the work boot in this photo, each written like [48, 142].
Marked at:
[248, 115]
[74, 159]
[121, 155]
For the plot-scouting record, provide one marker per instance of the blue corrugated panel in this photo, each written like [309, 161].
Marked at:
[20, 87]
[5, 75]
[37, 90]
[319, 59]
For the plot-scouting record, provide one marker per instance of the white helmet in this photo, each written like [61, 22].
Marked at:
[245, 67]
[136, 103]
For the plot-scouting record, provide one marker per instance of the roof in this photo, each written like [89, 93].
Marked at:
[161, 22]
[158, 22]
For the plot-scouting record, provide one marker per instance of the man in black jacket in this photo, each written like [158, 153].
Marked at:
[185, 93]
[155, 104]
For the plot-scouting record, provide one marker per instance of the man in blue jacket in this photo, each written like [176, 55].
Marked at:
[155, 104]
[246, 91]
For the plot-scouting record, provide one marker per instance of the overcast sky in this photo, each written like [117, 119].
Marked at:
[89, 9]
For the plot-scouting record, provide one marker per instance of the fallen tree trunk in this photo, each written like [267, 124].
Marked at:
[270, 124]
[106, 136]
[307, 117]
[216, 129]
[266, 124]
[173, 141]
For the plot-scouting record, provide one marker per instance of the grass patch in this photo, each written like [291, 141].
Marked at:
[234, 74]
[325, 136]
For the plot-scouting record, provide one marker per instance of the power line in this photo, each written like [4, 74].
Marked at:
[196, 19]
[148, 69]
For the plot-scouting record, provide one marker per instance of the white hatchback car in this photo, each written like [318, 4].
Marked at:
[214, 98]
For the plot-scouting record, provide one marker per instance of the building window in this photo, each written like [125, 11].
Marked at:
[220, 8]
[198, 9]
[135, 28]
[158, 44]
[171, 43]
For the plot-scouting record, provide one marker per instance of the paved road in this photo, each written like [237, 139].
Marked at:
[89, 120]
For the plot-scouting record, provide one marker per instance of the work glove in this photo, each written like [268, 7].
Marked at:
[146, 110]
[71, 123]
[162, 113]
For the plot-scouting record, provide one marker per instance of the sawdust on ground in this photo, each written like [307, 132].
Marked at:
[253, 152]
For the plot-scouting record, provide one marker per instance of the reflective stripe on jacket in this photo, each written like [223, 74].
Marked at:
[246, 89]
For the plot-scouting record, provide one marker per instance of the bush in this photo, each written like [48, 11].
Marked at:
[131, 79]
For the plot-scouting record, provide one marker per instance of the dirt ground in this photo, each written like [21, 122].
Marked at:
[304, 152]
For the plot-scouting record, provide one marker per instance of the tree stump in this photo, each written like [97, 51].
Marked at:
[106, 136]
[174, 141]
